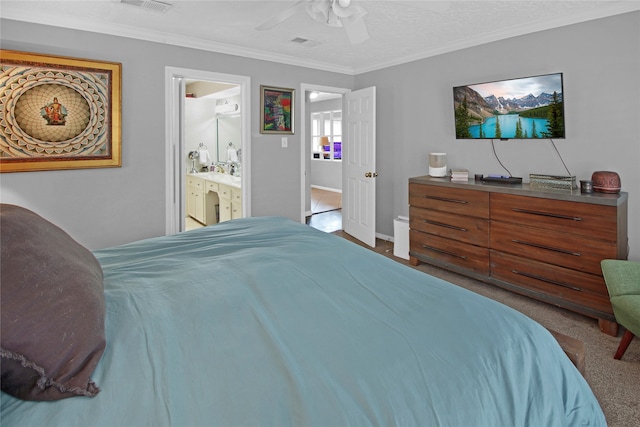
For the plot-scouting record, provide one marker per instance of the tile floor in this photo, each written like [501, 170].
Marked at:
[326, 208]
[327, 221]
[191, 224]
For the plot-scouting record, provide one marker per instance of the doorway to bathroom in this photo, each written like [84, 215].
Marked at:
[212, 138]
[208, 117]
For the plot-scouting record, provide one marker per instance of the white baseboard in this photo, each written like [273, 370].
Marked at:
[384, 237]
[335, 190]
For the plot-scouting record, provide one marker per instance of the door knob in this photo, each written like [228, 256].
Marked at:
[367, 175]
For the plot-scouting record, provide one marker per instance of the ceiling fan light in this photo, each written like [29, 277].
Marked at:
[333, 19]
[342, 11]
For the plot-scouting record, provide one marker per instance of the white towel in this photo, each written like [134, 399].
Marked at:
[232, 155]
[203, 157]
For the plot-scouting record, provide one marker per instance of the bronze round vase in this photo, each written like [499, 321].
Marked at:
[606, 182]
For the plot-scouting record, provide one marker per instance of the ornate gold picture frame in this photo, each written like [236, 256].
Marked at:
[58, 112]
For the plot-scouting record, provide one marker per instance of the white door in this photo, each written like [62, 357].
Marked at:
[359, 165]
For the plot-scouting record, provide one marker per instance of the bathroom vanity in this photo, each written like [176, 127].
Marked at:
[213, 197]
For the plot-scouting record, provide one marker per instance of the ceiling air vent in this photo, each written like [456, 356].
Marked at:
[155, 5]
[305, 42]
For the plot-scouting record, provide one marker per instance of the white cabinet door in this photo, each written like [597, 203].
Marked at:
[199, 205]
[225, 210]
[191, 202]
[236, 210]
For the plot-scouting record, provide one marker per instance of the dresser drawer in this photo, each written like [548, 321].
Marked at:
[470, 257]
[565, 249]
[212, 186]
[561, 283]
[595, 221]
[224, 192]
[459, 227]
[194, 182]
[236, 195]
[450, 200]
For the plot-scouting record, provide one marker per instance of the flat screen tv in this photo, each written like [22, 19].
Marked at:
[521, 108]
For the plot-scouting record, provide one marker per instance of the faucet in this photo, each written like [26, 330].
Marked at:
[217, 167]
[234, 168]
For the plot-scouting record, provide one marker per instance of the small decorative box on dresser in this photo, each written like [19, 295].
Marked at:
[543, 244]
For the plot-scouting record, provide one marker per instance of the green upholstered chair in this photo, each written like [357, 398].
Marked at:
[623, 282]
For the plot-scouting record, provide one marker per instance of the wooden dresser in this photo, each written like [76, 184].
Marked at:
[543, 244]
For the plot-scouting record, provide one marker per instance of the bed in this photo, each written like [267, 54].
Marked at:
[268, 322]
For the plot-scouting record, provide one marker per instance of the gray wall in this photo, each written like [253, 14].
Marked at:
[600, 60]
[105, 207]
[601, 64]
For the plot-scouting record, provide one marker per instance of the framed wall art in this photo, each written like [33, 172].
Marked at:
[276, 110]
[58, 112]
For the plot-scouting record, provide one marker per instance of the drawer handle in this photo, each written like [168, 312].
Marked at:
[441, 224]
[544, 279]
[549, 248]
[552, 215]
[444, 199]
[444, 252]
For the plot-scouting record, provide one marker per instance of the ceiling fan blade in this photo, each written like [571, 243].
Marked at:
[282, 16]
[355, 28]
[319, 10]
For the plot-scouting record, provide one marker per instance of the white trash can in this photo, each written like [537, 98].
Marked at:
[401, 237]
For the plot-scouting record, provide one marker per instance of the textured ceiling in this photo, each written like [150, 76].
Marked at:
[400, 31]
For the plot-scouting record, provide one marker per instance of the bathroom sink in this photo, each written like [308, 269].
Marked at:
[221, 178]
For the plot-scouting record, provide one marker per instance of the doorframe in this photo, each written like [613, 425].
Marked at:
[174, 140]
[304, 151]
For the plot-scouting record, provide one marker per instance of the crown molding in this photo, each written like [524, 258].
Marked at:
[615, 8]
[33, 16]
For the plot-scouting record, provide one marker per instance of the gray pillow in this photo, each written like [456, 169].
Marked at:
[52, 309]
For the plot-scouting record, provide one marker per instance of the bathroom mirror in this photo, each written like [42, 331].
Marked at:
[228, 130]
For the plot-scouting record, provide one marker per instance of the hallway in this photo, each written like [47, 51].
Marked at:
[326, 208]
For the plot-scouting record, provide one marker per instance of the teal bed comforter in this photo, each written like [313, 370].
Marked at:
[267, 322]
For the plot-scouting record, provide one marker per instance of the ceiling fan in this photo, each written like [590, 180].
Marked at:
[336, 13]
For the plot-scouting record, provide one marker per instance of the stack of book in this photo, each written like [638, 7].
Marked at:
[458, 175]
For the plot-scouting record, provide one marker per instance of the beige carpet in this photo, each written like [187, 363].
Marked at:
[615, 383]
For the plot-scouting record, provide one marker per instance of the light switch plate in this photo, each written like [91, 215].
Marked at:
[285, 142]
